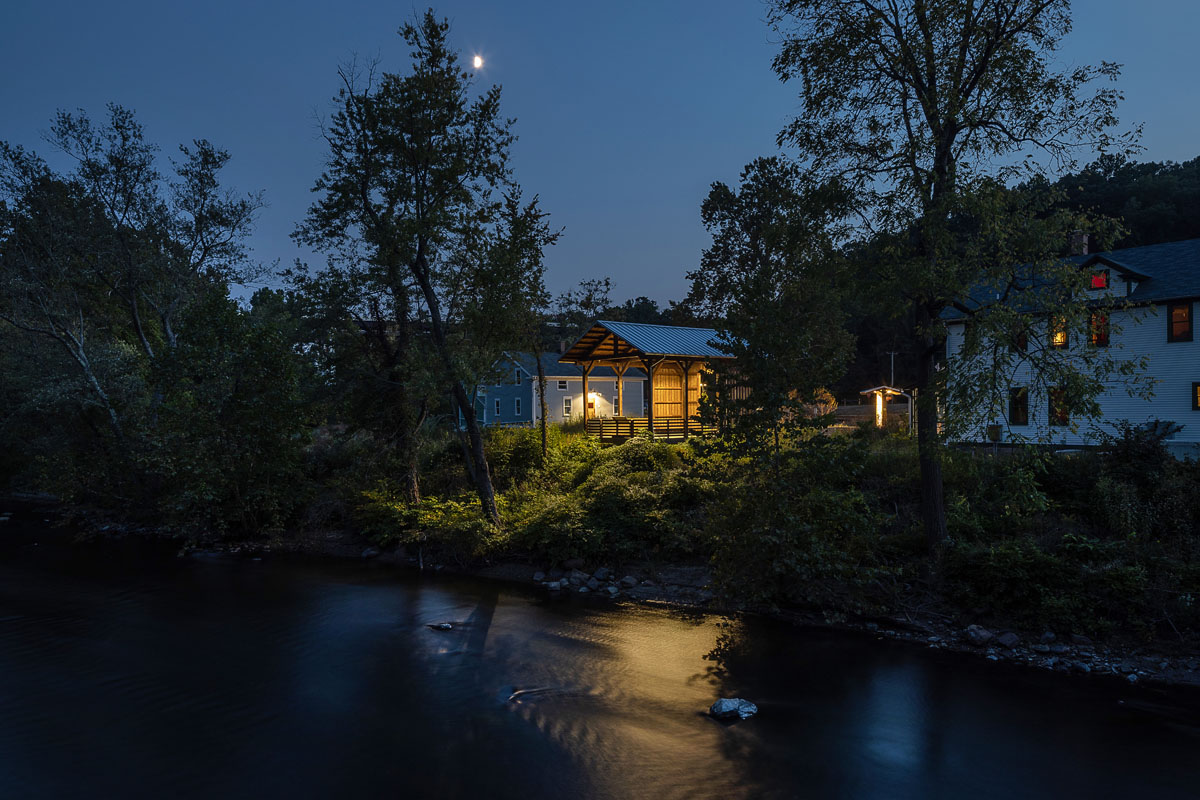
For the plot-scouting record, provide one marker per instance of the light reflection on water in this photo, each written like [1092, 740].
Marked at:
[126, 676]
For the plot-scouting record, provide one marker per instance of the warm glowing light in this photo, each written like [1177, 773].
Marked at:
[879, 410]
[478, 62]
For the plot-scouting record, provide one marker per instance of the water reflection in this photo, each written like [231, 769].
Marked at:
[219, 678]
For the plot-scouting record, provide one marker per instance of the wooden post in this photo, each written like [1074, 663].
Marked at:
[620, 409]
[587, 370]
[649, 395]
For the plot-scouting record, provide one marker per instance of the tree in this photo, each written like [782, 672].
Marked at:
[917, 104]
[576, 309]
[146, 385]
[1155, 201]
[771, 278]
[410, 191]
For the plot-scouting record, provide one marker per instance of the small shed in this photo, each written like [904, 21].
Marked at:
[673, 358]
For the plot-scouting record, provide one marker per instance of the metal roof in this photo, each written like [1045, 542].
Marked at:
[556, 369]
[633, 339]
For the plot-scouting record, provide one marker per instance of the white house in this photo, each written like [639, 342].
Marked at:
[1161, 283]
[513, 399]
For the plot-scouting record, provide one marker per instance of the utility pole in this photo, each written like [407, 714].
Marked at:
[892, 353]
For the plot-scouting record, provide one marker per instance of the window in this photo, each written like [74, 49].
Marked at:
[1018, 405]
[562, 386]
[566, 408]
[517, 375]
[1196, 397]
[517, 406]
[1179, 322]
[1100, 279]
[497, 409]
[1020, 340]
[1098, 329]
[1059, 413]
[1058, 333]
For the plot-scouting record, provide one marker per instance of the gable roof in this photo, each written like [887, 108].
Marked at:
[1167, 271]
[557, 370]
[635, 339]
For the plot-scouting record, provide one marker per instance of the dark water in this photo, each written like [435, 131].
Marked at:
[127, 675]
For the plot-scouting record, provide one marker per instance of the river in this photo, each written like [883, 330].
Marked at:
[126, 673]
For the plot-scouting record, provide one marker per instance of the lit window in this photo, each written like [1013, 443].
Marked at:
[566, 408]
[497, 408]
[1058, 333]
[562, 386]
[1196, 397]
[1179, 322]
[1100, 279]
[1098, 329]
[1018, 405]
[517, 406]
[1060, 415]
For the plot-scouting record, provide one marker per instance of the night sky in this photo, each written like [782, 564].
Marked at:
[626, 112]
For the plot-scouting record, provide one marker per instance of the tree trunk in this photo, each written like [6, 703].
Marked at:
[933, 507]
[541, 379]
[478, 459]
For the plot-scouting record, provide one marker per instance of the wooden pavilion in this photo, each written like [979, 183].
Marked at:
[673, 358]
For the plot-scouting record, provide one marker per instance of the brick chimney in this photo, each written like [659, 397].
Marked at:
[1079, 243]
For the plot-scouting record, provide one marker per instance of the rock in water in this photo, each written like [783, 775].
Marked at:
[441, 626]
[602, 574]
[539, 576]
[371, 552]
[629, 581]
[979, 635]
[1008, 639]
[733, 708]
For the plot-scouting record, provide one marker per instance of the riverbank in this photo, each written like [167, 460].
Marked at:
[927, 620]
[689, 586]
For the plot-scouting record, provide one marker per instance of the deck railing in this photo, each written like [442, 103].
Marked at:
[618, 429]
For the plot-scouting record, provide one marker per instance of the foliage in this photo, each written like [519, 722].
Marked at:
[801, 535]
[770, 277]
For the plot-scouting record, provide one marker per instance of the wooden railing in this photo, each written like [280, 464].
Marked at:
[618, 429]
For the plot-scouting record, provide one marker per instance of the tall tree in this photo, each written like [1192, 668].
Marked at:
[772, 280]
[916, 103]
[411, 182]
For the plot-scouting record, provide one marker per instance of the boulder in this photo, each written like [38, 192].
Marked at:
[556, 573]
[613, 591]
[602, 574]
[554, 586]
[1008, 639]
[577, 577]
[1048, 637]
[733, 708]
[584, 590]
[978, 635]
[1080, 639]
[573, 563]
[629, 581]
[539, 576]
[593, 584]
[371, 552]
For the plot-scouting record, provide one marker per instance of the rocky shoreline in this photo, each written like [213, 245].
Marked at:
[687, 586]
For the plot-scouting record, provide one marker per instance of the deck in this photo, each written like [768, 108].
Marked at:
[671, 429]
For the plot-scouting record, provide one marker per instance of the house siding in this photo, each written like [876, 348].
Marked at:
[510, 390]
[1174, 366]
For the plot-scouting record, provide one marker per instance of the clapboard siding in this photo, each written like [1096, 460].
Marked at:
[1175, 366]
